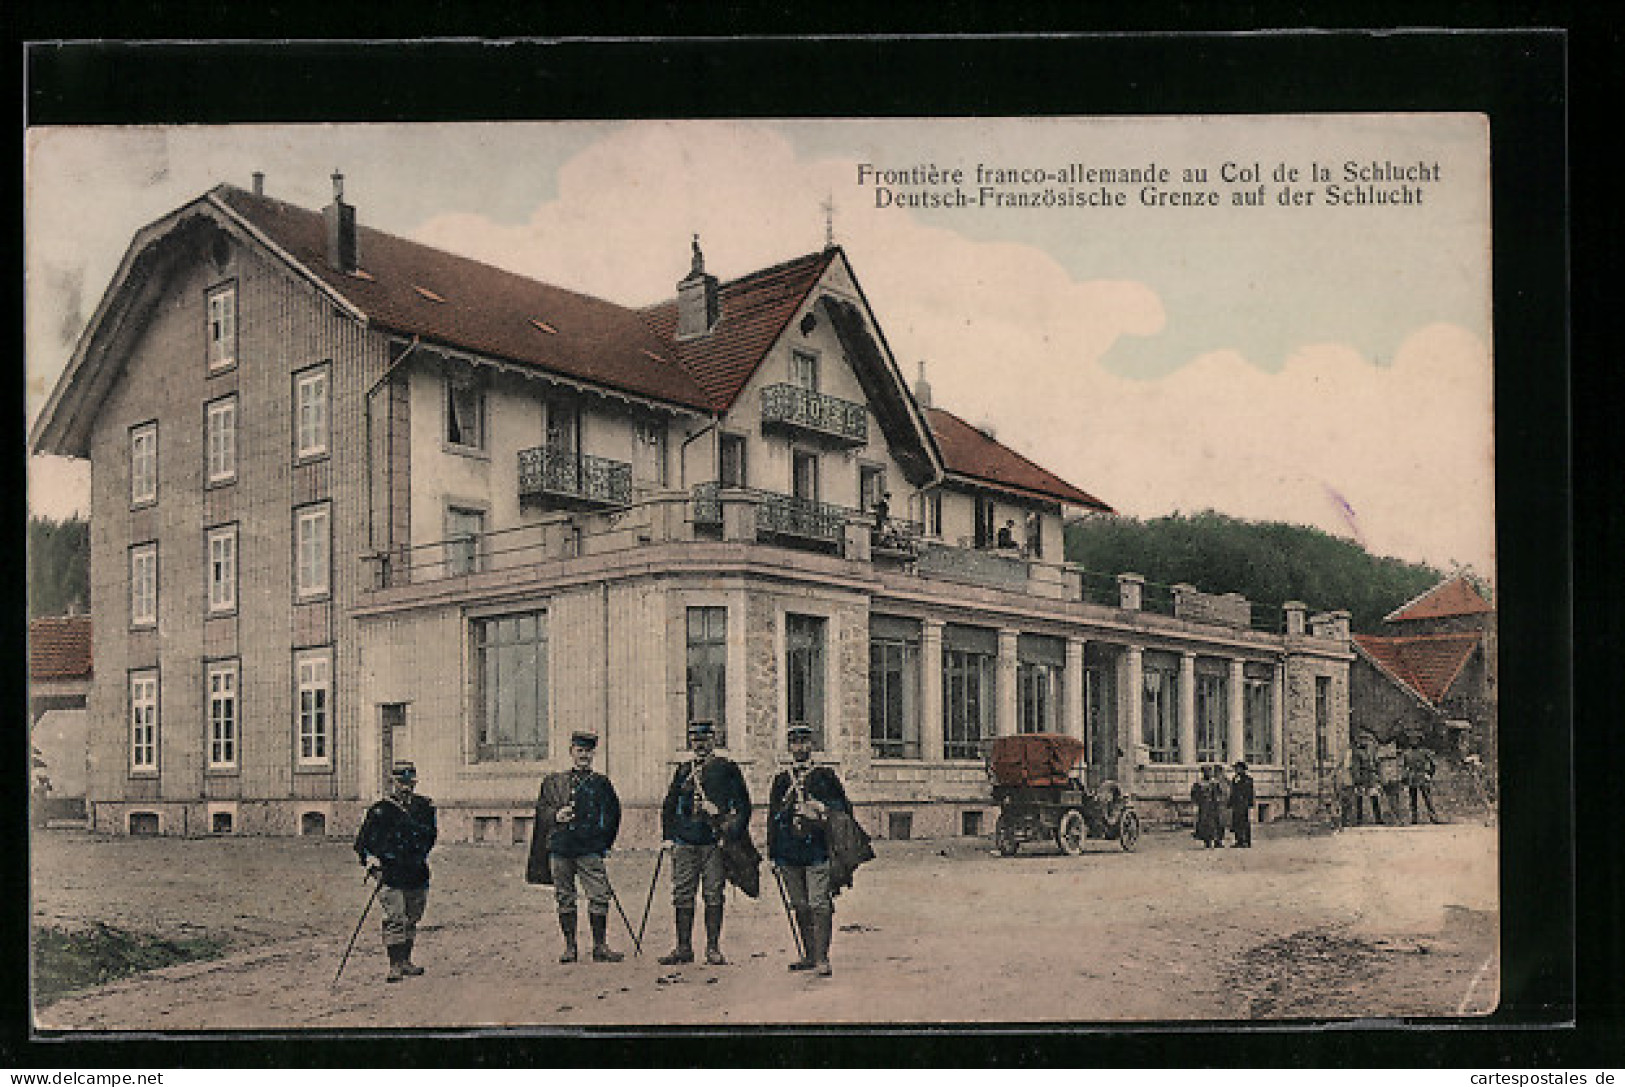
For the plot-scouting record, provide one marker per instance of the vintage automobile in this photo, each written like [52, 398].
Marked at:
[1038, 785]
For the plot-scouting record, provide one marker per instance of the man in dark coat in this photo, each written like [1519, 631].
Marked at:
[1418, 767]
[1366, 768]
[798, 844]
[706, 802]
[1241, 807]
[394, 843]
[579, 813]
[1209, 814]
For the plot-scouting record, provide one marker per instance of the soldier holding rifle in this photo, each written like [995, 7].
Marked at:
[706, 804]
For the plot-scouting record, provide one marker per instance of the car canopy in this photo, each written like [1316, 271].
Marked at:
[1033, 759]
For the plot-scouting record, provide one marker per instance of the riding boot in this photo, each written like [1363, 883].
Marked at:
[824, 924]
[713, 936]
[396, 958]
[804, 924]
[684, 951]
[600, 945]
[567, 925]
[408, 967]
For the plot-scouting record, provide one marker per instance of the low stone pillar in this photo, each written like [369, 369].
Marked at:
[1130, 591]
[855, 542]
[738, 516]
[1296, 613]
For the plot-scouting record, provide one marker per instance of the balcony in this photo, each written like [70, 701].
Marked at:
[796, 410]
[780, 517]
[573, 480]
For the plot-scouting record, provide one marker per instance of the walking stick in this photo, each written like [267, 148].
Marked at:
[784, 897]
[637, 944]
[659, 857]
[378, 886]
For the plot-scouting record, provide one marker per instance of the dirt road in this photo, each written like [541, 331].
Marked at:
[1371, 922]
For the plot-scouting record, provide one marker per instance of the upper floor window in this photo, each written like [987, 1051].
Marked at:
[144, 464]
[143, 721]
[731, 470]
[465, 413]
[310, 413]
[314, 708]
[223, 569]
[804, 481]
[144, 585]
[464, 530]
[804, 370]
[313, 550]
[871, 485]
[222, 327]
[933, 514]
[220, 440]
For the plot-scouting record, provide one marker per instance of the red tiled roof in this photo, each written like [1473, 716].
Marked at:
[485, 309]
[753, 312]
[1456, 596]
[59, 647]
[1426, 663]
[968, 452]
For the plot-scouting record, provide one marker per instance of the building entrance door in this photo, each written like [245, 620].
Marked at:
[1099, 725]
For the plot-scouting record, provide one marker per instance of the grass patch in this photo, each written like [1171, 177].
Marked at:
[69, 959]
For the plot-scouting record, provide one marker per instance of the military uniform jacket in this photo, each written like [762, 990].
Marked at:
[1417, 763]
[400, 836]
[597, 814]
[1367, 768]
[724, 786]
[1241, 794]
[811, 846]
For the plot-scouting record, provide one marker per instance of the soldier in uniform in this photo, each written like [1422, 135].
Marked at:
[1367, 779]
[799, 847]
[707, 801]
[580, 814]
[1241, 807]
[1418, 767]
[394, 843]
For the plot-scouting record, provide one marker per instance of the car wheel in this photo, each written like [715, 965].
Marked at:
[1128, 831]
[1071, 832]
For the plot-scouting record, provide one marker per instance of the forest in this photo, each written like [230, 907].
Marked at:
[58, 566]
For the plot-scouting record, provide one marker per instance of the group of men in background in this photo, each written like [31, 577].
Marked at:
[1219, 800]
[1416, 770]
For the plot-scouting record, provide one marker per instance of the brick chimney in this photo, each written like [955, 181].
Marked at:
[343, 253]
[259, 183]
[922, 388]
[698, 305]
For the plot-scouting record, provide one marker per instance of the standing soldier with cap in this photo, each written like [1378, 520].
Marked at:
[707, 801]
[1367, 773]
[394, 843]
[1241, 807]
[577, 818]
[1418, 767]
[798, 844]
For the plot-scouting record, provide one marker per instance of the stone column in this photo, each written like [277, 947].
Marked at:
[1235, 746]
[1072, 690]
[1278, 716]
[931, 690]
[1005, 716]
[1130, 705]
[1187, 707]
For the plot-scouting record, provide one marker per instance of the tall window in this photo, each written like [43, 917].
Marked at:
[1212, 714]
[805, 476]
[1035, 534]
[144, 585]
[984, 522]
[804, 672]
[731, 471]
[465, 529]
[804, 370]
[1100, 716]
[222, 327]
[1040, 666]
[1159, 707]
[933, 514]
[1323, 717]
[1258, 713]
[313, 543]
[510, 686]
[708, 668]
[143, 721]
[465, 413]
[144, 464]
[969, 695]
[894, 688]
[314, 709]
[222, 682]
[220, 440]
[223, 569]
[871, 485]
[310, 417]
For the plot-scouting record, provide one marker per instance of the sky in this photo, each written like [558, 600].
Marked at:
[1321, 365]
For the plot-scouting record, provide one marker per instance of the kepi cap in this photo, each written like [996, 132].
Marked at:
[799, 731]
[404, 771]
[701, 728]
[1240, 766]
[589, 740]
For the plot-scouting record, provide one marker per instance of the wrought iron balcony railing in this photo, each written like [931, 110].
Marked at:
[574, 478]
[802, 518]
[802, 409]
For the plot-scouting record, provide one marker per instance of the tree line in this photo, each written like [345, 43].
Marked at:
[58, 566]
[1268, 562]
